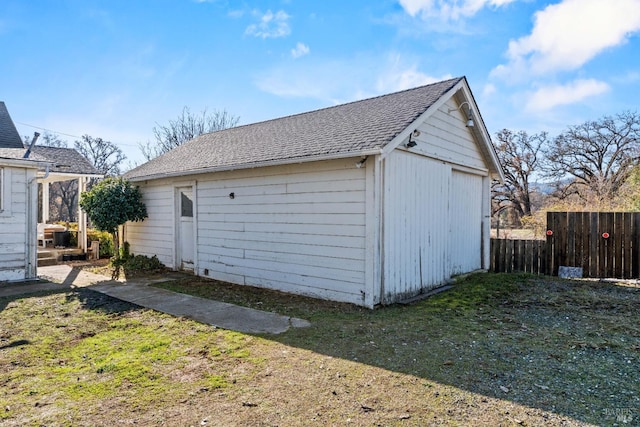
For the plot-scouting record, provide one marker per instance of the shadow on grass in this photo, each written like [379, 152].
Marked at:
[92, 300]
[571, 348]
[13, 291]
[88, 299]
[16, 343]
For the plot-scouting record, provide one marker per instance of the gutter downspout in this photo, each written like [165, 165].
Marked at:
[31, 258]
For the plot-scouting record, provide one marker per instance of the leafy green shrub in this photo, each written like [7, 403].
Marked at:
[73, 240]
[134, 264]
[143, 263]
[111, 203]
[125, 251]
[106, 242]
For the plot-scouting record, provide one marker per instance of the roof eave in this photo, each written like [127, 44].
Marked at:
[64, 176]
[278, 162]
[482, 133]
[25, 163]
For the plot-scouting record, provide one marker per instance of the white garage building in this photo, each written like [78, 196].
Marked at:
[370, 202]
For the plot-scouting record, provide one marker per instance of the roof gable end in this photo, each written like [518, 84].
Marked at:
[9, 136]
[463, 95]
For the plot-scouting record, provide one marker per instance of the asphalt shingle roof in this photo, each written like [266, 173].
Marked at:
[64, 160]
[347, 129]
[9, 136]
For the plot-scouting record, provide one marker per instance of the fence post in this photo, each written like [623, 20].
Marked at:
[594, 245]
[628, 244]
[549, 247]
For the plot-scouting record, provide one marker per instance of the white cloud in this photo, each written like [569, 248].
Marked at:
[628, 78]
[400, 76]
[552, 96]
[336, 81]
[270, 25]
[489, 89]
[406, 79]
[330, 81]
[301, 49]
[448, 9]
[237, 13]
[567, 35]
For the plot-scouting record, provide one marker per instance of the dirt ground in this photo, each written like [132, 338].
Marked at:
[497, 350]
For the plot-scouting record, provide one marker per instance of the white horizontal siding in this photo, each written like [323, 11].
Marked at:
[294, 207]
[320, 229]
[9, 273]
[14, 223]
[298, 228]
[445, 136]
[154, 235]
[11, 259]
[13, 234]
[286, 218]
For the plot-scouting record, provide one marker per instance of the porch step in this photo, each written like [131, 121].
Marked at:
[46, 258]
[54, 256]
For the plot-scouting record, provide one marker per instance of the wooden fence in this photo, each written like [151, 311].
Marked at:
[510, 256]
[603, 244]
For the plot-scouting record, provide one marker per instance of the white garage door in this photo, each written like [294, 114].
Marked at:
[465, 209]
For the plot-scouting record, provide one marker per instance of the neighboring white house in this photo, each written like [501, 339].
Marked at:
[19, 179]
[370, 202]
[18, 215]
[18, 206]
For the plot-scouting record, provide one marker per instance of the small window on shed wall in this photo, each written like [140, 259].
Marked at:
[186, 206]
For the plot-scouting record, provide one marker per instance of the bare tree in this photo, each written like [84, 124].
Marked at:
[47, 139]
[104, 155]
[187, 126]
[62, 194]
[521, 156]
[68, 193]
[629, 197]
[593, 160]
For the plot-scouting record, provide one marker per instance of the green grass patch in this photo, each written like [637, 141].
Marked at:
[78, 356]
[550, 343]
[493, 350]
[476, 291]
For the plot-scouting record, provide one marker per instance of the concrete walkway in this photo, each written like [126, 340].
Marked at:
[219, 314]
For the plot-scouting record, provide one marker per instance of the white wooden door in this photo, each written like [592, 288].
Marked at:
[465, 215]
[185, 236]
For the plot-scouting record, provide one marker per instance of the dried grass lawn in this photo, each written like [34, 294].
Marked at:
[496, 350]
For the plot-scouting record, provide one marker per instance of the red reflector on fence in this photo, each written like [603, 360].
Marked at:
[549, 232]
[605, 235]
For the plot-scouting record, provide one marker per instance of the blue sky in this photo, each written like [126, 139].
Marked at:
[115, 68]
